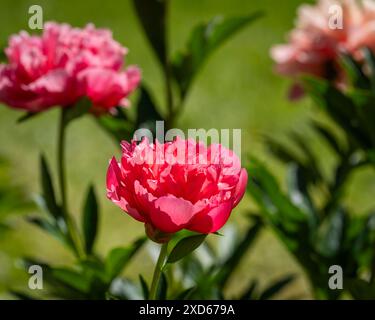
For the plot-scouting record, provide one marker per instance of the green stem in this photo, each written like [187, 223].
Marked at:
[72, 230]
[158, 269]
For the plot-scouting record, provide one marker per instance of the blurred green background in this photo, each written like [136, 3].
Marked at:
[237, 88]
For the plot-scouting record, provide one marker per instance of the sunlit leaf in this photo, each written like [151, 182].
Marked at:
[185, 246]
[204, 39]
[152, 15]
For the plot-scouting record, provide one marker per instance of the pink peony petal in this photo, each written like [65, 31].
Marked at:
[171, 214]
[240, 188]
[211, 221]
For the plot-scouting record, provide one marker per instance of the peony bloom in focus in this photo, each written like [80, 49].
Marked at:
[176, 185]
[314, 47]
[63, 65]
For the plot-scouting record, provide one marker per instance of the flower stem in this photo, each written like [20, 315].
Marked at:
[72, 230]
[158, 269]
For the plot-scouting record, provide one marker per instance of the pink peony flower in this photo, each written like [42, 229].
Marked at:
[314, 47]
[63, 65]
[176, 185]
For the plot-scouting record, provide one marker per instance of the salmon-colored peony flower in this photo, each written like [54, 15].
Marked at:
[176, 185]
[63, 65]
[315, 44]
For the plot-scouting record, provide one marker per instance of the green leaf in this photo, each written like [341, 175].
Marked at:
[298, 192]
[90, 219]
[289, 222]
[118, 126]
[27, 116]
[276, 287]
[77, 110]
[118, 258]
[58, 284]
[272, 199]
[185, 247]
[47, 189]
[360, 289]
[364, 113]
[50, 228]
[370, 62]
[341, 108]
[280, 151]
[185, 294]
[204, 39]
[354, 72]
[230, 264]
[145, 289]
[311, 161]
[331, 234]
[152, 15]
[250, 292]
[20, 295]
[161, 293]
[329, 138]
[147, 113]
[71, 278]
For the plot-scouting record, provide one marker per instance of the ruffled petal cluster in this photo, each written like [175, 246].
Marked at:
[63, 65]
[177, 185]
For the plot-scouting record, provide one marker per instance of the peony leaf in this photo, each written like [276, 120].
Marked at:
[186, 294]
[370, 60]
[298, 192]
[250, 292]
[354, 72]
[276, 287]
[26, 116]
[346, 111]
[118, 258]
[331, 234]
[329, 137]
[90, 219]
[234, 259]
[117, 125]
[145, 289]
[152, 16]
[185, 247]
[47, 189]
[204, 39]
[147, 113]
[77, 110]
[52, 229]
[161, 293]
[361, 289]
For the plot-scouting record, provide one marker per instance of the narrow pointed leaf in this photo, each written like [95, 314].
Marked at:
[147, 112]
[118, 258]
[276, 287]
[152, 15]
[144, 286]
[185, 247]
[204, 39]
[90, 220]
[161, 293]
[48, 190]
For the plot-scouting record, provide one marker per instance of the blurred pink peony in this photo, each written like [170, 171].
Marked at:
[63, 65]
[177, 185]
[314, 46]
